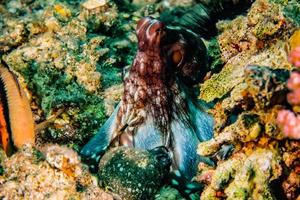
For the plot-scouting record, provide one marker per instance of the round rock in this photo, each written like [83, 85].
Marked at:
[134, 174]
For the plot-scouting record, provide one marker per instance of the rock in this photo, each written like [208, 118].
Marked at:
[134, 174]
[55, 172]
[245, 176]
[112, 96]
[92, 4]
[242, 44]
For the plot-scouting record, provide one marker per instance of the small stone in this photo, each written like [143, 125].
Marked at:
[92, 4]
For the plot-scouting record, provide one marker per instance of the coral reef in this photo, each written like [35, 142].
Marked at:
[254, 157]
[70, 58]
[245, 176]
[287, 120]
[241, 44]
[56, 49]
[55, 172]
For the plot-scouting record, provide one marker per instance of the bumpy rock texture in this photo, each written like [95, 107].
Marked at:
[64, 55]
[54, 172]
[255, 159]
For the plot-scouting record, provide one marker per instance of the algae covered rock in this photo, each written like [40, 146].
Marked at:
[246, 176]
[134, 174]
[260, 38]
[54, 172]
[249, 92]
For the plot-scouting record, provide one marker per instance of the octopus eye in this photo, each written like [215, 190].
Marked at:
[177, 57]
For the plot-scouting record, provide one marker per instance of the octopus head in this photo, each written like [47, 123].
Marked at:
[150, 33]
[178, 51]
[186, 54]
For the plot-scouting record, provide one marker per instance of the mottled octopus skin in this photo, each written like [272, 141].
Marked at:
[16, 121]
[156, 108]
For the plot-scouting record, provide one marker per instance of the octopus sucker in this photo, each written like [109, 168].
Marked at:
[17, 125]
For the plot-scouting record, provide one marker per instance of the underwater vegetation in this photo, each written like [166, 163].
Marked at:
[53, 172]
[70, 57]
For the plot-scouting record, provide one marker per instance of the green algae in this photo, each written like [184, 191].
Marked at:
[291, 9]
[68, 59]
[221, 83]
[214, 54]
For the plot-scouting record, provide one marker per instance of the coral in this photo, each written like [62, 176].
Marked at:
[294, 57]
[288, 121]
[266, 86]
[261, 88]
[269, 23]
[247, 120]
[133, 174]
[295, 39]
[254, 158]
[102, 14]
[56, 48]
[112, 96]
[168, 193]
[69, 55]
[241, 47]
[55, 172]
[245, 176]
[292, 184]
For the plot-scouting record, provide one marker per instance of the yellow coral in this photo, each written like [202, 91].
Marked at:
[61, 10]
[295, 39]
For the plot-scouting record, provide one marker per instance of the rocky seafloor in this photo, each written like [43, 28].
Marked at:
[69, 56]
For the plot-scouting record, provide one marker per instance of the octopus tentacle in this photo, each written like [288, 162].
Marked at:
[96, 147]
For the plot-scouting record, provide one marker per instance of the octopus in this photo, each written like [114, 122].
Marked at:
[159, 106]
[16, 121]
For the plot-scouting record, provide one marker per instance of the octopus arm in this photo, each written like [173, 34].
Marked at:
[95, 148]
[202, 122]
[148, 136]
[185, 143]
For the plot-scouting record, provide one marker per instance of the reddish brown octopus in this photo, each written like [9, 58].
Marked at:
[157, 108]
